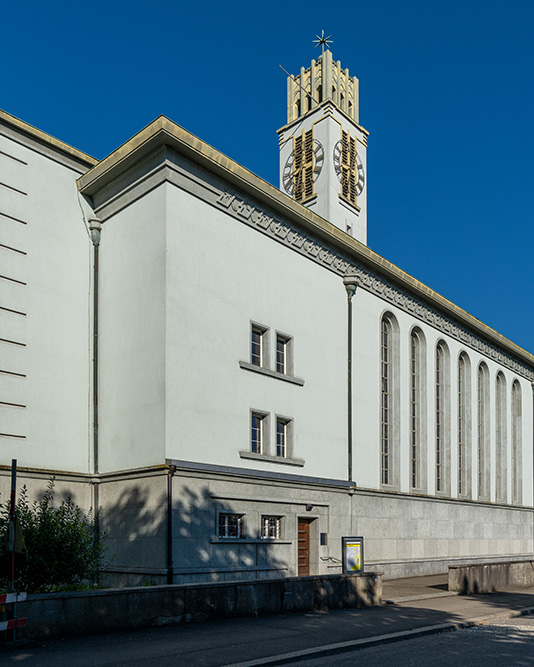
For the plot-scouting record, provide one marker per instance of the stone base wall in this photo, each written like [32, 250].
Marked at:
[488, 578]
[76, 485]
[415, 535]
[404, 535]
[421, 568]
[73, 614]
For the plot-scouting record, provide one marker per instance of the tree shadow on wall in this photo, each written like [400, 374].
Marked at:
[135, 519]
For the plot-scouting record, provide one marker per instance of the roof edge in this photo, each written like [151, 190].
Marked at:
[45, 138]
[163, 131]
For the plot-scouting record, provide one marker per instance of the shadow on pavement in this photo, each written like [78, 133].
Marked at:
[230, 641]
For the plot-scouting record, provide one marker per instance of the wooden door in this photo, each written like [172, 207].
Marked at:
[303, 547]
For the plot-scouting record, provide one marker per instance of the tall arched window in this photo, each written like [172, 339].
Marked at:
[500, 439]
[464, 426]
[442, 418]
[389, 396]
[517, 495]
[417, 409]
[483, 432]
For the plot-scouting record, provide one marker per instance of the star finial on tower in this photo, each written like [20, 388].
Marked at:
[323, 41]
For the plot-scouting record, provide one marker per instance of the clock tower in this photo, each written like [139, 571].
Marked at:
[323, 148]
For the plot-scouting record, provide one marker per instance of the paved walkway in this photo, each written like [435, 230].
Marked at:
[417, 607]
[415, 588]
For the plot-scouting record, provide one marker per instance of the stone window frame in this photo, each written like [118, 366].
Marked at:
[389, 403]
[259, 359]
[501, 438]
[267, 523]
[483, 431]
[517, 443]
[287, 444]
[268, 453]
[464, 421]
[442, 417]
[264, 357]
[417, 410]
[283, 345]
[225, 521]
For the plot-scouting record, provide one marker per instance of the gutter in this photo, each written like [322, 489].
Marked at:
[95, 228]
[350, 285]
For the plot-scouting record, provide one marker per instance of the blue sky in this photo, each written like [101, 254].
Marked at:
[446, 92]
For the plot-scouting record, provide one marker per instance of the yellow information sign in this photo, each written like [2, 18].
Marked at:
[352, 554]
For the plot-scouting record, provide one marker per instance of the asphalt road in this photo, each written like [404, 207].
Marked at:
[499, 644]
[262, 641]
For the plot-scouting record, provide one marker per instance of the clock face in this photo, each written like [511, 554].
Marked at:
[288, 175]
[355, 167]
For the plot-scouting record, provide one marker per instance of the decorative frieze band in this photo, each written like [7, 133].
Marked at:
[306, 245]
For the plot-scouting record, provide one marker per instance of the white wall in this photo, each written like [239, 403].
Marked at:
[132, 335]
[220, 276]
[46, 364]
[368, 310]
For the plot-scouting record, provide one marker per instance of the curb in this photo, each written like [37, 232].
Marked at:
[343, 647]
[413, 598]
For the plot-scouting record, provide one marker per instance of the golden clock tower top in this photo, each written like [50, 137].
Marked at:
[323, 148]
[323, 80]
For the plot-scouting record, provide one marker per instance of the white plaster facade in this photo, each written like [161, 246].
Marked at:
[195, 254]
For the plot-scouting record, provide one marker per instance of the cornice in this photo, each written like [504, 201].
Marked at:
[327, 106]
[259, 204]
[371, 281]
[48, 144]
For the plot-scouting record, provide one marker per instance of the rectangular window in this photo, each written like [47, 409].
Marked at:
[284, 353]
[257, 436]
[282, 426]
[282, 344]
[271, 527]
[257, 351]
[231, 526]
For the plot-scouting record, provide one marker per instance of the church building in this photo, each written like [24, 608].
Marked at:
[233, 376]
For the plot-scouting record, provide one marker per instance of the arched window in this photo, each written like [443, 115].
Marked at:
[517, 495]
[319, 93]
[483, 431]
[500, 439]
[443, 418]
[389, 397]
[417, 409]
[464, 426]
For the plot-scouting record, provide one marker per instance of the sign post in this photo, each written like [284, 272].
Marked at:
[15, 543]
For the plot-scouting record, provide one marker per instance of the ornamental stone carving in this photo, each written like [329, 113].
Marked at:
[319, 252]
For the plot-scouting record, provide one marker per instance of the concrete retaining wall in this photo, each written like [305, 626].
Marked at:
[491, 577]
[71, 614]
[424, 567]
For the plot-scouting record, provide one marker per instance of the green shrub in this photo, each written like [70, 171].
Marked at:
[64, 547]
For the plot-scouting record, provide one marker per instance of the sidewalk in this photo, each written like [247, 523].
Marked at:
[415, 588]
[417, 606]
[412, 607]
